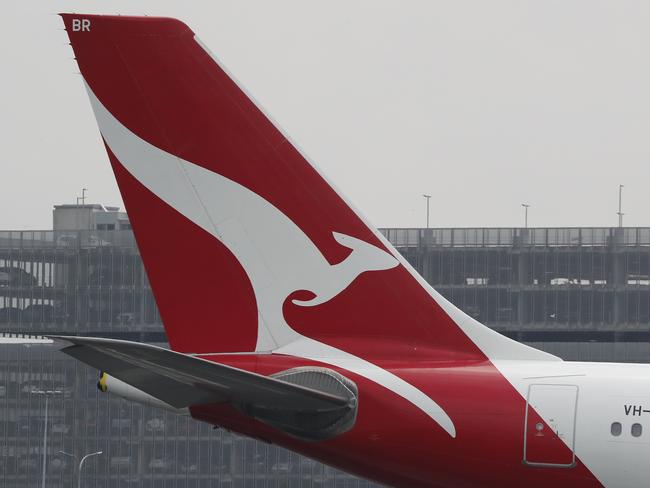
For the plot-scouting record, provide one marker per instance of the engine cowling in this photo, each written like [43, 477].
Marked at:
[110, 384]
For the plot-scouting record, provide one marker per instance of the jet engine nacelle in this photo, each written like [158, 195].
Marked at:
[110, 384]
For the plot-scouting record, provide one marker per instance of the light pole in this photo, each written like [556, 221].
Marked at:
[620, 206]
[46, 394]
[81, 463]
[526, 207]
[428, 197]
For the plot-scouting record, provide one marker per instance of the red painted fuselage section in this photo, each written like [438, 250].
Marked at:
[397, 444]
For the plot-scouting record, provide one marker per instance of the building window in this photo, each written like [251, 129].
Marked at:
[637, 430]
[105, 226]
[616, 429]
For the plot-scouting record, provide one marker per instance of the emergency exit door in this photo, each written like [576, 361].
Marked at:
[550, 426]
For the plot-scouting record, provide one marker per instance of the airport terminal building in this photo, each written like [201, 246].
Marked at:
[580, 293]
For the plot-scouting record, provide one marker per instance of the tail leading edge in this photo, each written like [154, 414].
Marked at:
[247, 247]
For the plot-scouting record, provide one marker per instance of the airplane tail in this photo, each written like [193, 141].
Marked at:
[246, 245]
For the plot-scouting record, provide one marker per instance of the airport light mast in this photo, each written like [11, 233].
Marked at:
[526, 207]
[81, 463]
[46, 394]
[428, 197]
[620, 206]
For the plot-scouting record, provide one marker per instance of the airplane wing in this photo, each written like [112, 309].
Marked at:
[299, 402]
[182, 381]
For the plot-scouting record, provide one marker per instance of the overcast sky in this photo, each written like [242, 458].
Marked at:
[484, 105]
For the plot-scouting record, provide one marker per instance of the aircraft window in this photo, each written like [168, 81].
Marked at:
[617, 428]
[637, 429]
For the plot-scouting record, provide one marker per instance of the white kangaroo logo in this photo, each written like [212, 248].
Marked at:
[278, 257]
[336, 278]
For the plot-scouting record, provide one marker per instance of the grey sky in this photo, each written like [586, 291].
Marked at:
[484, 105]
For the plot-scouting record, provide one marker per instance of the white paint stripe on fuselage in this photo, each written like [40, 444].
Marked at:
[603, 391]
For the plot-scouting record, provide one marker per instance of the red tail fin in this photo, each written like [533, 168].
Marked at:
[246, 245]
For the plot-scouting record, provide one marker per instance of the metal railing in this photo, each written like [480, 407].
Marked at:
[65, 239]
[513, 237]
[399, 237]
